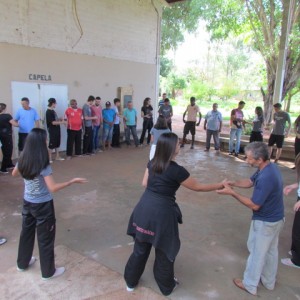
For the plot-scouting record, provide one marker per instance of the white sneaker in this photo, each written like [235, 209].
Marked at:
[129, 289]
[31, 262]
[58, 272]
[2, 241]
[288, 262]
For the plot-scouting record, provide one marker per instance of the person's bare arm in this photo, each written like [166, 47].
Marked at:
[227, 190]
[37, 123]
[54, 187]
[15, 171]
[289, 188]
[14, 123]
[145, 178]
[243, 183]
[194, 185]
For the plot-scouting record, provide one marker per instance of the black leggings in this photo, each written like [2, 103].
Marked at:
[163, 268]
[7, 150]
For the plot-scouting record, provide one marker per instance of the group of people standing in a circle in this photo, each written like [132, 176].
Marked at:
[154, 220]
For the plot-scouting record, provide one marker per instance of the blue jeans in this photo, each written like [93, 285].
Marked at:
[96, 137]
[262, 262]
[131, 128]
[215, 134]
[235, 134]
[107, 134]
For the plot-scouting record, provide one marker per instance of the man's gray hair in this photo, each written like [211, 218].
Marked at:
[258, 150]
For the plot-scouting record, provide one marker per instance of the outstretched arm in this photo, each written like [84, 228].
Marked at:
[243, 183]
[287, 189]
[192, 184]
[227, 190]
[54, 187]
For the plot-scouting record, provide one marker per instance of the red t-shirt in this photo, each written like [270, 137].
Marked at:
[74, 117]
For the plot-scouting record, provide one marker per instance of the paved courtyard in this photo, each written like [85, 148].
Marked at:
[93, 245]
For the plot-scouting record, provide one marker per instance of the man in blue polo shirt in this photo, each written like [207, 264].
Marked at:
[130, 120]
[27, 118]
[267, 220]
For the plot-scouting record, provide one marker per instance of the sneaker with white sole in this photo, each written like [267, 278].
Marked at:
[129, 289]
[31, 262]
[2, 241]
[59, 158]
[288, 262]
[58, 271]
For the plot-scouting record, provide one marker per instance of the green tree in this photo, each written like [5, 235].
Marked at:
[175, 84]
[166, 66]
[260, 23]
[200, 89]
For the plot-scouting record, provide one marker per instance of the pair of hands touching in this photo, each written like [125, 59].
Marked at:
[227, 187]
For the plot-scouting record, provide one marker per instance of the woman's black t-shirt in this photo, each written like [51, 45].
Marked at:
[5, 126]
[147, 110]
[156, 216]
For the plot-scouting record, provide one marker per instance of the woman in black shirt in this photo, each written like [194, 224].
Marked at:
[53, 125]
[6, 122]
[154, 221]
[147, 115]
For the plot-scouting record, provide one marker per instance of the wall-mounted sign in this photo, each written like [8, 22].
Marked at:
[39, 77]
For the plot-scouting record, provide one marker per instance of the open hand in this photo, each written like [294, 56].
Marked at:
[79, 180]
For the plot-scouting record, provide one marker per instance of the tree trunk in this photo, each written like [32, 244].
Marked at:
[288, 103]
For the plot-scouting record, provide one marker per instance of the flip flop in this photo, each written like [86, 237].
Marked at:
[239, 283]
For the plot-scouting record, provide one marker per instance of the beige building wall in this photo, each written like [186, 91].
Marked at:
[93, 47]
[83, 74]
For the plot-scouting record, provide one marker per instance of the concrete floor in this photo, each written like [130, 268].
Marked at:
[92, 221]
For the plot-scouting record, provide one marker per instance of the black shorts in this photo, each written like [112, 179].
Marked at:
[54, 137]
[189, 127]
[256, 136]
[276, 139]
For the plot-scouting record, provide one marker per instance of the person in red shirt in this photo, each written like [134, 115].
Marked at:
[74, 119]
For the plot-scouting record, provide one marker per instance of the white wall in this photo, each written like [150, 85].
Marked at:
[120, 29]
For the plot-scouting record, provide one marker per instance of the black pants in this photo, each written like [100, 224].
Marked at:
[22, 139]
[170, 126]
[256, 136]
[7, 149]
[295, 248]
[116, 136]
[147, 125]
[74, 136]
[163, 269]
[40, 216]
[297, 146]
[88, 140]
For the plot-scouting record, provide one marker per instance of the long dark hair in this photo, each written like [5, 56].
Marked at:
[34, 157]
[146, 101]
[164, 153]
[161, 123]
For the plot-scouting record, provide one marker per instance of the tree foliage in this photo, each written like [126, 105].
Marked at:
[258, 21]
